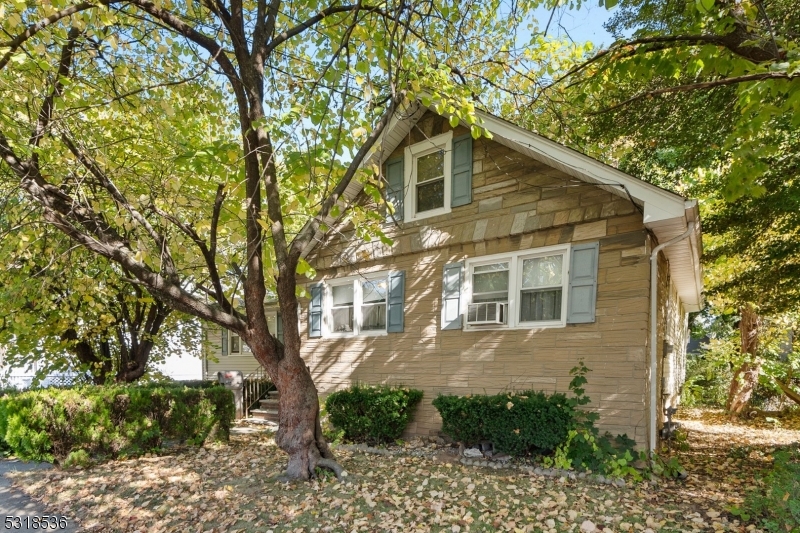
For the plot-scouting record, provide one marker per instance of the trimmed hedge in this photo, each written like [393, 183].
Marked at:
[515, 423]
[112, 421]
[372, 414]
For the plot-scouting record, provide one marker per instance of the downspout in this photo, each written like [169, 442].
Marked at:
[654, 331]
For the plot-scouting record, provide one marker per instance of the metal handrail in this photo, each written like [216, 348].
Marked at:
[256, 385]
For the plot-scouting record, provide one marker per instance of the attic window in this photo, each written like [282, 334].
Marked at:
[428, 175]
[430, 178]
[430, 181]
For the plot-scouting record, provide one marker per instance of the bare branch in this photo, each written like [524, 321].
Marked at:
[703, 85]
[303, 26]
[46, 111]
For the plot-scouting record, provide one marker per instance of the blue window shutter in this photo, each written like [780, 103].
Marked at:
[279, 328]
[461, 191]
[583, 283]
[314, 311]
[451, 296]
[397, 289]
[224, 341]
[395, 190]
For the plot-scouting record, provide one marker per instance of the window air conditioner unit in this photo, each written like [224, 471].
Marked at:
[484, 313]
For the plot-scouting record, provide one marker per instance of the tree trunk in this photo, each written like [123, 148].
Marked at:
[742, 385]
[135, 364]
[99, 366]
[746, 376]
[788, 391]
[299, 429]
[299, 432]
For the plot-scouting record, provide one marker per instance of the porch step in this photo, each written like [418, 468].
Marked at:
[270, 415]
[268, 407]
[269, 403]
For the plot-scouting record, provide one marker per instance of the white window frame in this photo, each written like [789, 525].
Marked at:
[414, 152]
[241, 351]
[327, 305]
[515, 260]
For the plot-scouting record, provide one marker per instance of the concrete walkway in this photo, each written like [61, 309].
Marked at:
[14, 503]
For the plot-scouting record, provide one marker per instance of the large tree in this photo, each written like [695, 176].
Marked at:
[66, 310]
[205, 147]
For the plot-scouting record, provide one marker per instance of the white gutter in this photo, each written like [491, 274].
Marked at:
[654, 331]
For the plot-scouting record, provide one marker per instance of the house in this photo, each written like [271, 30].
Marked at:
[512, 258]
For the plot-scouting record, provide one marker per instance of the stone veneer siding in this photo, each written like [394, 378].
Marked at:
[518, 204]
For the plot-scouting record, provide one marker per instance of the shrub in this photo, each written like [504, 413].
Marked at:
[778, 506]
[372, 414]
[111, 421]
[534, 422]
[515, 423]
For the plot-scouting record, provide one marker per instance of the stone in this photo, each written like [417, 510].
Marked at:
[490, 204]
[592, 230]
[480, 230]
[472, 452]
[538, 471]
[582, 475]
[619, 482]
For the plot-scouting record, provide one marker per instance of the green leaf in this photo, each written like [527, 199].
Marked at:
[705, 5]
[454, 121]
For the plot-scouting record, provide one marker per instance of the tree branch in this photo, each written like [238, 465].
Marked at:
[703, 85]
[628, 48]
[168, 265]
[46, 111]
[14, 44]
[303, 26]
[308, 231]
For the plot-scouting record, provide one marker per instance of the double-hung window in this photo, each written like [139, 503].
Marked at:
[429, 170]
[356, 305]
[521, 289]
[231, 343]
[541, 288]
[342, 307]
[235, 344]
[373, 305]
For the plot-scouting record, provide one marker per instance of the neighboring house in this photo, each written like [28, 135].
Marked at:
[513, 258]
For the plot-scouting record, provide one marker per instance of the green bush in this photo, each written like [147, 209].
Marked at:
[111, 421]
[534, 422]
[515, 423]
[372, 414]
[778, 507]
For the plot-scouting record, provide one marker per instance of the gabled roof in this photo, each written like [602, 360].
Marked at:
[665, 213]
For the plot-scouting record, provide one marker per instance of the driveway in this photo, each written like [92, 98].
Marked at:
[15, 504]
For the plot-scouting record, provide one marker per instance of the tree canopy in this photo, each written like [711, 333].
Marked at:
[204, 147]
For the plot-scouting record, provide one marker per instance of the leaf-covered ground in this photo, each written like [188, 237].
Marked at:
[231, 488]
